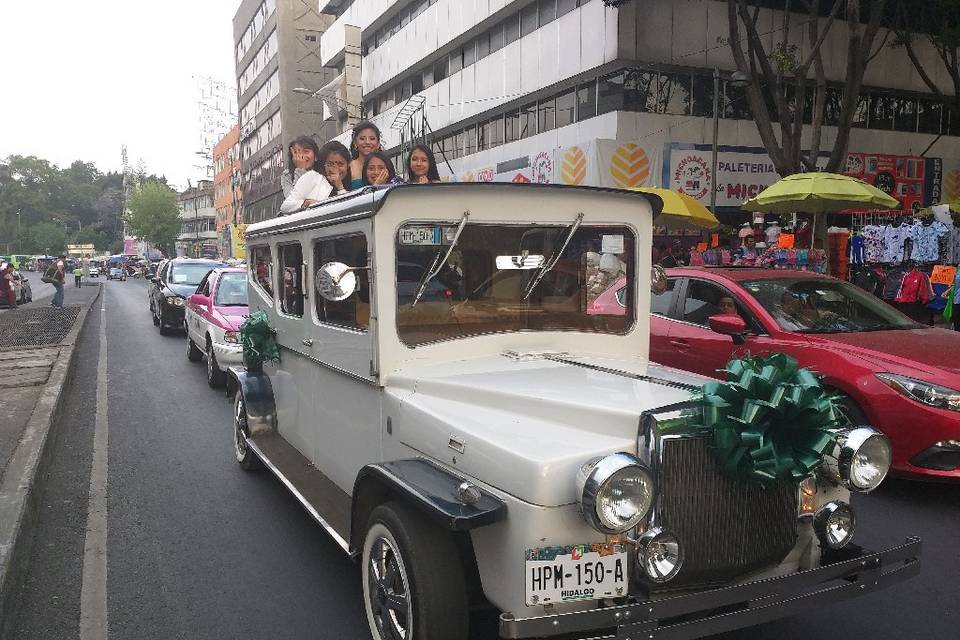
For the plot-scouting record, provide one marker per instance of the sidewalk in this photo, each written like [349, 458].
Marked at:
[36, 355]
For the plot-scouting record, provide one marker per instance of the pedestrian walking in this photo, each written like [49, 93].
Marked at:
[55, 275]
[6, 285]
[77, 276]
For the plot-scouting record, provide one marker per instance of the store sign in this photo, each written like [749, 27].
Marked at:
[912, 180]
[238, 248]
[742, 172]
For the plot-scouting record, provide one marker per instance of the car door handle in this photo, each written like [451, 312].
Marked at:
[307, 342]
[681, 345]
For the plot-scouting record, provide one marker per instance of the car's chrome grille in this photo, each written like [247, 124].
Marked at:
[727, 527]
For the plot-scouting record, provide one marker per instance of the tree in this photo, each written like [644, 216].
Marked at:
[936, 23]
[780, 78]
[153, 215]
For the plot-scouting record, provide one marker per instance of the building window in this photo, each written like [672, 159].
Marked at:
[528, 120]
[528, 19]
[547, 115]
[440, 69]
[496, 38]
[565, 6]
[469, 53]
[566, 108]
[930, 115]
[586, 101]
[511, 29]
[905, 114]
[672, 94]
[881, 111]
[456, 61]
[483, 46]
[459, 144]
[702, 97]
[512, 126]
[610, 93]
[736, 106]
[470, 142]
[548, 11]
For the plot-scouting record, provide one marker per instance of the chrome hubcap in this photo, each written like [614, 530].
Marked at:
[210, 367]
[240, 430]
[389, 597]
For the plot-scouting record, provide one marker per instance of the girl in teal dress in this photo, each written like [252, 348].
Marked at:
[364, 141]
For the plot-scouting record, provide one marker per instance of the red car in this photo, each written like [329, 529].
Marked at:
[899, 376]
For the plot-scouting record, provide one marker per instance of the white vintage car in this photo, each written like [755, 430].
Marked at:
[478, 438]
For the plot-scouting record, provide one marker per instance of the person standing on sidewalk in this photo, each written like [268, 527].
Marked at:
[6, 285]
[78, 276]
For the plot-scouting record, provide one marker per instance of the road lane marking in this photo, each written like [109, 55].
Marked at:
[93, 590]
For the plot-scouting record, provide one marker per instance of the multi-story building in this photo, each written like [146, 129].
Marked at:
[578, 92]
[198, 222]
[227, 191]
[276, 51]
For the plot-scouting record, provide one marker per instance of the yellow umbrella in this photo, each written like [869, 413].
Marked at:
[819, 192]
[680, 210]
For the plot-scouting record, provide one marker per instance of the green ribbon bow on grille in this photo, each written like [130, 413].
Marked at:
[770, 420]
[259, 340]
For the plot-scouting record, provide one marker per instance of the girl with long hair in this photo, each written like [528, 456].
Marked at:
[312, 186]
[364, 141]
[422, 166]
[379, 170]
[335, 164]
[302, 155]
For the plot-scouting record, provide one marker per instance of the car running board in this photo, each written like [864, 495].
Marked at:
[325, 501]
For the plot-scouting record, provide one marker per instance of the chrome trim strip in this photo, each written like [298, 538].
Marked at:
[299, 496]
[327, 365]
[622, 373]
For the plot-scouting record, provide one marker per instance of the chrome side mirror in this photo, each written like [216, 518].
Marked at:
[336, 281]
[658, 280]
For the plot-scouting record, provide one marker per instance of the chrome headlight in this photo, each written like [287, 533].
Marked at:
[834, 524]
[926, 392]
[231, 337]
[659, 554]
[176, 301]
[860, 460]
[615, 492]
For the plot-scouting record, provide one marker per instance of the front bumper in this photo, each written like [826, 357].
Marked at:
[228, 355]
[171, 315]
[853, 572]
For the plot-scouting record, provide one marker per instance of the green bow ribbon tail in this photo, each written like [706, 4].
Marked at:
[770, 420]
[259, 340]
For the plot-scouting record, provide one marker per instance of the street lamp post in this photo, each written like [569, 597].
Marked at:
[19, 247]
[737, 79]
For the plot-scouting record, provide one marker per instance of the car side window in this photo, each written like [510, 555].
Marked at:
[702, 301]
[261, 268]
[660, 302]
[289, 279]
[354, 312]
[204, 288]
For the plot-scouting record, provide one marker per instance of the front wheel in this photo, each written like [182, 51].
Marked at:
[413, 581]
[215, 377]
[193, 353]
[246, 458]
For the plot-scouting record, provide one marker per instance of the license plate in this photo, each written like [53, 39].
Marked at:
[576, 572]
[420, 236]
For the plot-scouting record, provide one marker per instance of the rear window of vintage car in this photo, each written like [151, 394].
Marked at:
[504, 278]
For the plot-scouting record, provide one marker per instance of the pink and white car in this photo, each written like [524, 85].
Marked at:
[213, 316]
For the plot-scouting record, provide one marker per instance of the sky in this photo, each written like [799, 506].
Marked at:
[81, 78]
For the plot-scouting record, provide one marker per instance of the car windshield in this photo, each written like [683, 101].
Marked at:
[502, 278]
[825, 306]
[231, 290]
[190, 273]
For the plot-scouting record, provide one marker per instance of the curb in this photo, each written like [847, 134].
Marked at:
[19, 494]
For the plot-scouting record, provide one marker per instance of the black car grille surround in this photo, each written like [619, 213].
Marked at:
[727, 527]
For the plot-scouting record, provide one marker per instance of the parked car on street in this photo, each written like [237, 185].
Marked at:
[169, 289]
[22, 291]
[94, 271]
[899, 376]
[213, 318]
[506, 447]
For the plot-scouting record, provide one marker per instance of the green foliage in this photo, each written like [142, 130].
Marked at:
[153, 214]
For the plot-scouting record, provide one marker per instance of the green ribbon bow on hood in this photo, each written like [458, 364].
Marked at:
[259, 340]
[770, 420]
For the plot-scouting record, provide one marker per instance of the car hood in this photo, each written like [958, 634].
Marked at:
[918, 349]
[182, 290]
[526, 424]
[230, 318]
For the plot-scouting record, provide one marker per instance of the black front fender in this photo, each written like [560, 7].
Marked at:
[426, 486]
[258, 398]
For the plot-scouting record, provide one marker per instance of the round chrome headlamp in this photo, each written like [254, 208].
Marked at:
[615, 492]
[659, 554]
[834, 524]
[860, 459]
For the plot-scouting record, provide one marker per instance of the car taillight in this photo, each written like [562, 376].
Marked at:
[447, 293]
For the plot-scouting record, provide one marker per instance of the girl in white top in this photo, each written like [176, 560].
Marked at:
[302, 155]
[309, 189]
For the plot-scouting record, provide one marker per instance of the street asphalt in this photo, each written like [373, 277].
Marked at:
[198, 548]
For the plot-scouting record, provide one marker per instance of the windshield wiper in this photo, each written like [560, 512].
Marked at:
[438, 263]
[549, 265]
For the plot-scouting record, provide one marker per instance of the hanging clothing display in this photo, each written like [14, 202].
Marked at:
[914, 287]
[953, 252]
[772, 234]
[872, 243]
[894, 239]
[926, 246]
